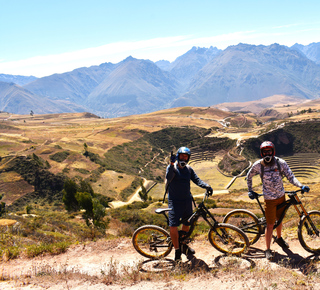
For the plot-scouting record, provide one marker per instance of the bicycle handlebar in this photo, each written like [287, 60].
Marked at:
[295, 191]
[292, 192]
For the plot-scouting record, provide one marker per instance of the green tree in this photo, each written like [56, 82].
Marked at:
[99, 212]
[94, 210]
[82, 196]
[143, 192]
[86, 187]
[69, 199]
[2, 207]
[85, 147]
[85, 202]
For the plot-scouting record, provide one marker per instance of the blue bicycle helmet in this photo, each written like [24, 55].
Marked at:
[183, 150]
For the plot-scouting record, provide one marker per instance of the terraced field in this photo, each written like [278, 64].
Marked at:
[305, 166]
[199, 155]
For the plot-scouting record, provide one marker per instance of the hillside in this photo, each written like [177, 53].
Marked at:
[118, 151]
[74, 86]
[21, 101]
[134, 87]
[312, 51]
[19, 80]
[40, 152]
[200, 77]
[245, 72]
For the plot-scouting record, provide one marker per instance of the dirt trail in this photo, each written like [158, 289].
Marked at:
[99, 259]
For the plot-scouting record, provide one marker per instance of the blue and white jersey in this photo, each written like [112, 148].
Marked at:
[272, 184]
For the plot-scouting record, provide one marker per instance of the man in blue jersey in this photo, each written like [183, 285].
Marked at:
[271, 169]
[178, 176]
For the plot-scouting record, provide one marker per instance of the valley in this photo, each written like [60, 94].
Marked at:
[115, 155]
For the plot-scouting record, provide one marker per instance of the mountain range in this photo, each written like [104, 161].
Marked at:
[200, 77]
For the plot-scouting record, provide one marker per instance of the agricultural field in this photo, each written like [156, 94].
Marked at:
[116, 156]
[60, 141]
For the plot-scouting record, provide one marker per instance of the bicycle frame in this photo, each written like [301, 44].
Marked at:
[201, 211]
[293, 200]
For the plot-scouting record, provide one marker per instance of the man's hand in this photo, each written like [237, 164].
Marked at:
[173, 157]
[305, 188]
[252, 194]
[209, 190]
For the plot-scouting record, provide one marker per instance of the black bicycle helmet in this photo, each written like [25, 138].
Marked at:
[183, 150]
[267, 145]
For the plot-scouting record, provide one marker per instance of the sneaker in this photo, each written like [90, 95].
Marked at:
[282, 243]
[269, 255]
[177, 256]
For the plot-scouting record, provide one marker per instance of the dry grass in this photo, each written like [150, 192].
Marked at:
[224, 273]
[7, 222]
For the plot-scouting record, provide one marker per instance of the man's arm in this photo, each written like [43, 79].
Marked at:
[195, 179]
[170, 173]
[254, 170]
[289, 174]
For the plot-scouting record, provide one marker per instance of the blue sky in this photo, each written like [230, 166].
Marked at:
[42, 37]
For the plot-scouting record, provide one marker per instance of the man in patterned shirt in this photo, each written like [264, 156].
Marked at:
[271, 170]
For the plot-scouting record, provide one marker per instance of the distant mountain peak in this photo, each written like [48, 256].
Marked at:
[200, 77]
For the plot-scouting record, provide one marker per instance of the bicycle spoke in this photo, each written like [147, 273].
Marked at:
[152, 242]
[246, 221]
[228, 239]
[308, 232]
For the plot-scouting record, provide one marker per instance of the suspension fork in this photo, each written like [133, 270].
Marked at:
[305, 213]
[301, 205]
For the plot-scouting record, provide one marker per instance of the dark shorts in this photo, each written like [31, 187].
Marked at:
[180, 209]
[272, 214]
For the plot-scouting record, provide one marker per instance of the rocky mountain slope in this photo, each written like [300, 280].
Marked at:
[247, 72]
[17, 99]
[135, 86]
[311, 51]
[200, 77]
[19, 80]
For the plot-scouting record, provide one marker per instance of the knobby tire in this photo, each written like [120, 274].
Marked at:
[309, 232]
[246, 221]
[152, 242]
[228, 239]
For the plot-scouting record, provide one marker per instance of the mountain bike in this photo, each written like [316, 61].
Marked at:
[254, 227]
[154, 242]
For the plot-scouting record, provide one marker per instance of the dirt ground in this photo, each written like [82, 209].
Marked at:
[98, 265]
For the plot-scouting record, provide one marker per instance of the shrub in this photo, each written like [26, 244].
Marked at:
[59, 156]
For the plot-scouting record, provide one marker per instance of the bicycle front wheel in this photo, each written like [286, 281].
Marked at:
[152, 242]
[228, 239]
[309, 232]
[246, 221]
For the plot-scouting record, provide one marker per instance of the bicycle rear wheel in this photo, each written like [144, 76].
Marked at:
[309, 232]
[228, 239]
[246, 221]
[152, 242]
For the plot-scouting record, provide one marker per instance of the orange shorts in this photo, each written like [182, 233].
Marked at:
[272, 214]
